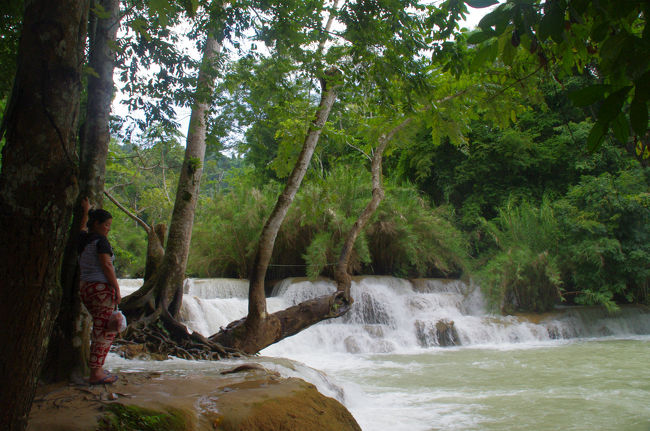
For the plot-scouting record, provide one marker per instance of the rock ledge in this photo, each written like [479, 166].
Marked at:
[246, 398]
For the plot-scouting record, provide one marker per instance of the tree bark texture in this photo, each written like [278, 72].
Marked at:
[69, 345]
[38, 187]
[280, 325]
[256, 295]
[165, 286]
[155, 249]
[341, 273]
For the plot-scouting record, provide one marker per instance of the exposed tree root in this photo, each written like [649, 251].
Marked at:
[164, 335]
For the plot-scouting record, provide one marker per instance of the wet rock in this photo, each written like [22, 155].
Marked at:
[137, 351]
[351, 345]
[375, 331]
[424, 334]
[372, 311]
[244, 367]
[252, 400]
[447, 334]
[443, 333]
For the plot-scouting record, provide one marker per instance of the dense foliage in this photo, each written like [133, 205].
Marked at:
[522, 206]
[522, 165]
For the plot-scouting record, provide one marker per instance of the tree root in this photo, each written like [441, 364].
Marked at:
[168, 337]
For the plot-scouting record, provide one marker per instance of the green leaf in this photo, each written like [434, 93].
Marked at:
[480, 36]
[508, 52]
[552, 23]
[642, 90]
[599, 32]
[190, 6]
[498, 18]
[588, 95]
[639, 116]
[91, 72]
[595, 137]
[621, 128]
[480, 3]
[613, 105]
[161, 8]
[612, 47]
[486, 53]
[100, 12]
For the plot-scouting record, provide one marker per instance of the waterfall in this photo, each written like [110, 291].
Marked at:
[396, 315]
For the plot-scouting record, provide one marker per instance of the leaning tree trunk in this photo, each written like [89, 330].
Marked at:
[259, 329]
[69, 345]
[292, 320]
[341, 274]
[38, 188]
[161, 294]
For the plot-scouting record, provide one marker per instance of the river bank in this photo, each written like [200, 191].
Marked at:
[579, 368]
[244, 397]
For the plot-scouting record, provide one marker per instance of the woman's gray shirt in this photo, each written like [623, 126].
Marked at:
[90, 266]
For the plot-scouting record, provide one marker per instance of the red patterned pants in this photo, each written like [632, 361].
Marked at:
[100, 300]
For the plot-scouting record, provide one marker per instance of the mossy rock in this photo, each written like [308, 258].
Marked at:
[289, 405]
[120, 417]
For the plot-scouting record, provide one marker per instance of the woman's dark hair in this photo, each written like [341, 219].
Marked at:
[97, 216]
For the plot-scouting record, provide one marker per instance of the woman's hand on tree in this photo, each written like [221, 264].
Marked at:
[85, 204]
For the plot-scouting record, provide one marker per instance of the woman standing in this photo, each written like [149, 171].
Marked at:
[99, 289]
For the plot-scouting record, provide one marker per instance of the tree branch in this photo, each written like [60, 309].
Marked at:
[141, 222]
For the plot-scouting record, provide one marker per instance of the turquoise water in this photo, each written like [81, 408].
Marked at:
[383, 363]
[577, 385]
[581, 385]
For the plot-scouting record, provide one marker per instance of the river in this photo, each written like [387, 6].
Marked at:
[577, 369]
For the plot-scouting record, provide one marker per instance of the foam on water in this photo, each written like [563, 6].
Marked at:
[385, 362]
[396, 315]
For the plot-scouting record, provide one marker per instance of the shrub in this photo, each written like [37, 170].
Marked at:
[522, 274]
[605, 243]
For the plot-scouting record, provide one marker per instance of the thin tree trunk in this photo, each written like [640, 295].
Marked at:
[256, 296]
[165, 287]
[258, 329]
[341, 274]
[38, 188]
[69, 346]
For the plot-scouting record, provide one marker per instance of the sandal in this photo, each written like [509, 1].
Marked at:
[108, 379]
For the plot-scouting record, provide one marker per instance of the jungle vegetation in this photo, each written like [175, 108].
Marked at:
[325, 138]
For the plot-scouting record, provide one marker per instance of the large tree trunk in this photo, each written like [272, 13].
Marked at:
[69, 345]
[38, 187]
[164, 289]
[259, 329]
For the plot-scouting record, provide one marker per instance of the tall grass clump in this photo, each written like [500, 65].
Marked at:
[408, 237]
[522, 274]
[227, 229]
[405, 237]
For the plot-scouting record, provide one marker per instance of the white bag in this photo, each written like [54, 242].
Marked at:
[117, 321]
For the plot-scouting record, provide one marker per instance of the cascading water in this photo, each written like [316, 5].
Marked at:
[575, 368]
[397, 315]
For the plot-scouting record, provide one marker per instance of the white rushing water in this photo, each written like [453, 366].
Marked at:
[578, 369]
